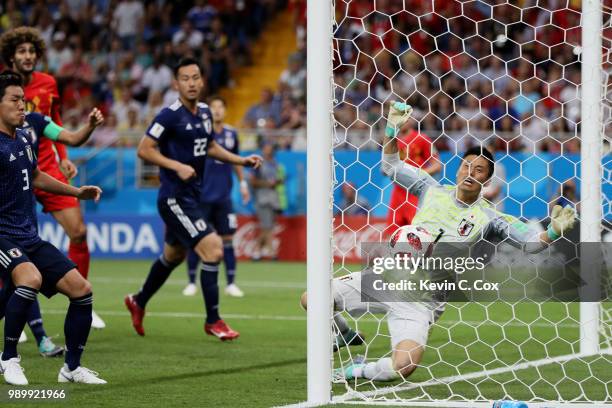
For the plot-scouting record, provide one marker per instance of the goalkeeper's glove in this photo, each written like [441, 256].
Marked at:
[399, 113]
[561, 221]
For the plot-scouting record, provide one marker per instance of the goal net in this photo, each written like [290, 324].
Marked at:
[510, 77]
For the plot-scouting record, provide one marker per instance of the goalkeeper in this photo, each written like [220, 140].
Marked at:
[465, 217]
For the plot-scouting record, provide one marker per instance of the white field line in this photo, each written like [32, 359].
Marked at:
[303, 318]
[183, 282]
[464, 377]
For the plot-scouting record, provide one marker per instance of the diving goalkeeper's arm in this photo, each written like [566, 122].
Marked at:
[413, 179]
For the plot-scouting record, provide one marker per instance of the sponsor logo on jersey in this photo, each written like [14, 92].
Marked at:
[188, 127]
[14, 252]
[12, 158]
[465, 227]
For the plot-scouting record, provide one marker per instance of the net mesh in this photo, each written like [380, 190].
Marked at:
[505, 75]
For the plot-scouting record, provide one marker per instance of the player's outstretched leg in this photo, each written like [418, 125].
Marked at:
[407, 355]
[209, 250]
[46, 347]
[346, 335]
[72, 222]
[27, 281]
[160, 270]
[192, 270]
[229, 259]
[76, 328]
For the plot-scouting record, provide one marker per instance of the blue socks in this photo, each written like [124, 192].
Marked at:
[210, 289]
[192, 265]
[76, 329]
[160, 270]
[229, 257]
[16, 314]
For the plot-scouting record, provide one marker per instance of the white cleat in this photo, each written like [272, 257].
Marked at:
[80, 375]
[190, 290]
[12, 371]
[96, 321]
[234, 291]
[22, 338]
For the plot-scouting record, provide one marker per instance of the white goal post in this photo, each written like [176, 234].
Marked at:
[320, 230]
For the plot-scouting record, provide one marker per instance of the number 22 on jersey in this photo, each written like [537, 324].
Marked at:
[199, 147]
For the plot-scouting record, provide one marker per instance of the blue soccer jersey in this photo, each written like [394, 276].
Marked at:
[18, 162]
[217, 183]
[182, 136]
[34, 125]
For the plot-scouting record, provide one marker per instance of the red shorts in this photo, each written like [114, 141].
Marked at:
[402, 209]
[54, 202]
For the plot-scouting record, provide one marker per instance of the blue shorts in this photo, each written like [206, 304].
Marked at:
[185, 221]
[50, 261]
[221, 216]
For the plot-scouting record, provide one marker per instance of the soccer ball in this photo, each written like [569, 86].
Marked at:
[414, 240]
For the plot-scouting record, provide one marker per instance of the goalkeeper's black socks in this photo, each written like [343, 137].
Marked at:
[210, 289]
[76, 329]
[160, 270]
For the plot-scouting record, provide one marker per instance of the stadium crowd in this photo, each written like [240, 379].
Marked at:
[118, 54]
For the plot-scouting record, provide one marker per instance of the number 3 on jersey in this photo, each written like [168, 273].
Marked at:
[199, 148]
[26, 178]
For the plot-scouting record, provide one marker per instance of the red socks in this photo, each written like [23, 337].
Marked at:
[79, 254]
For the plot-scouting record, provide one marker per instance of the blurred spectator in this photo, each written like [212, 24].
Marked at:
[216, 54]
[106, 135]
[124, 105]
[265, 182]
[194, 38]
[267, 109]
[201, 15]
[295, 77]
[77, 68]
[494, 189]
[351, 203]
[132, 128]
[158, 77]
[58, 54]
[152, 108]
[127, 22]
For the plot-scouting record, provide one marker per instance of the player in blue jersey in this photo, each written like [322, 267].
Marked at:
[217, 202]
[27, 263]
[178, 141]
[36, 126]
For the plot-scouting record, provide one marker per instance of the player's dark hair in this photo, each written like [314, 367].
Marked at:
[481, 151]
[9, 78]
[10, 40]
[217, 98]
[183, 62]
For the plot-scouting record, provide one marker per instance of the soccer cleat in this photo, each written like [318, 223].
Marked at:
[234, 291]
[12, 371]
[47, 348]
[348, 338]
[347, 373]
[96, 321]
[137, 314]
[190, 290]
[80, 375]
[221, 330]
[22, 338]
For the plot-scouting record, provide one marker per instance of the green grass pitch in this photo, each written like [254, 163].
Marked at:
[176, 364]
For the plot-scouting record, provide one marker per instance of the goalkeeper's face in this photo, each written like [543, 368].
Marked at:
[473, 173]
[189, 82]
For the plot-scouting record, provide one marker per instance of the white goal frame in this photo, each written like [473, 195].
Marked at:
[320, 190]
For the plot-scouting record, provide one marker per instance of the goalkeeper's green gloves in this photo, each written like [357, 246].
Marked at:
[561, 221]
[399, 113]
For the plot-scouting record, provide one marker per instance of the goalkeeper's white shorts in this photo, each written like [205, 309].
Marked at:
[406, 320]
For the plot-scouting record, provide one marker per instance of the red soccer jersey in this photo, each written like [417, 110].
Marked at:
[417, 148]
[42, 96]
